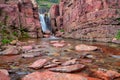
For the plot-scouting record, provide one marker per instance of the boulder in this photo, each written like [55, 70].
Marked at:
[12, 50]
[58, 45]
[70, 62]
[38, 64]
[106, 75]
[48, 75]
[4, 71]
[27, 48]
[68, 69]
[83, 47]
[3, 76]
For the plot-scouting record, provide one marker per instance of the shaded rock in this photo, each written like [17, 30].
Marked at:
[83, 61]
[56, 61]
[3, 76]
[71, 68]
[48, 75]
[54, 11]
[38, 64]
[83, 47]
[50, 65]
[106, 74]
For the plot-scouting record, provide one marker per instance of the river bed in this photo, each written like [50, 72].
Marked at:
[108, 57]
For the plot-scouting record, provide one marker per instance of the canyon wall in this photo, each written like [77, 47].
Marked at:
[92, 20]
[20, 16]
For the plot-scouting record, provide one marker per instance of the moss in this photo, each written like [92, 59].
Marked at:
[118, 35]
[6, 40]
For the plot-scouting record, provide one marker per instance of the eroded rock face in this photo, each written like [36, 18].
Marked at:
[89, 19]
[21, 15]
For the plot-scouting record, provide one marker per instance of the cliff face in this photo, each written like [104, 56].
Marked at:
[20, 15]
[88, 19]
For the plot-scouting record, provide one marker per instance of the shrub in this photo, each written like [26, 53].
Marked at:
[118, 35]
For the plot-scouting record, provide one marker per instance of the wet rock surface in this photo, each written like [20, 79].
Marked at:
[68, 69]
[47, 75]
[40, 60]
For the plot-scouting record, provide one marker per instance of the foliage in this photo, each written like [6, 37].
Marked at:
[46, 3]
[62, 30]
[6, 41]
[118, 35]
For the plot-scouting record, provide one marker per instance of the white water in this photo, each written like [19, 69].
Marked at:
[45, 27]
[43, 23]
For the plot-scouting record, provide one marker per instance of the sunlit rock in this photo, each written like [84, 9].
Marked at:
[38, 64]
[83, 47]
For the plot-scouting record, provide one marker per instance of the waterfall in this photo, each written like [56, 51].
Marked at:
[43, 23]
[46, 26]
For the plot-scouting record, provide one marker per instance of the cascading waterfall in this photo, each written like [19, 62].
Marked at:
[46, 27]
[43, 23]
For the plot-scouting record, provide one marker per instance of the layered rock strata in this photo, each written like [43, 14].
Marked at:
[94, 20]
[20, 15]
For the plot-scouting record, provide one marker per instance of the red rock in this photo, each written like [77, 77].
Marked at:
[27, 10]
[52, 42]
[4, 71]
[46, 35]
[38, 64]
[61, 7]
[50, 65]
[107, 75]
[70, 62]
[11, 51]
[58, 45]
[59, 21]
[86, 19]
[68, 69]
[83, 47]
[3, 76]
[26, 48]
[54, 11]
[48, 75]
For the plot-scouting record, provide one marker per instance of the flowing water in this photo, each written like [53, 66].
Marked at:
[43, 23]
[106, 58]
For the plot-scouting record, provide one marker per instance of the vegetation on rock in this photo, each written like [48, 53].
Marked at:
[46, 3]
[118, 35]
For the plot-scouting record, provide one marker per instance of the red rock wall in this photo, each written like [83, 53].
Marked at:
[90, 19]
[22, 14]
